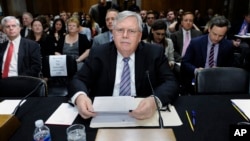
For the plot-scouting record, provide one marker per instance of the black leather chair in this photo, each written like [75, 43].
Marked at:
[21, 86]
[222, 80]
[57, 85]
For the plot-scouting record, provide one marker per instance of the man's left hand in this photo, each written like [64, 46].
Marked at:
[145, 109]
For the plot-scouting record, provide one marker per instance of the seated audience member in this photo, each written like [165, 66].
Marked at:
[143, 14]
[3, 36]
[102, 73]
[182, 37]
[171, 18]
[107, 36]
[74, 43]
[27, 18]
[206, 51]
[85, 31]
[157, 35]
[37, 34]
[58, 31]
[147, 26]
[45, 42]
[18, 56]
[240, 27]
[92, 25]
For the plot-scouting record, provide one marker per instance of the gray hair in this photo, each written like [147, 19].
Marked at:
[8, 18]
[122, 15]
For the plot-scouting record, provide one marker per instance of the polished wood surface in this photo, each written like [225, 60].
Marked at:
[135, 135]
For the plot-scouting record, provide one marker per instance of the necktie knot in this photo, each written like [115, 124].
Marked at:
[126, 59]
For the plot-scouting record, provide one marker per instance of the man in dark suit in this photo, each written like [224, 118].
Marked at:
[107, 36]
[187, 21]
[150, 18]
[102, 73]
[27, 19]
[206, 51]
[25, 58]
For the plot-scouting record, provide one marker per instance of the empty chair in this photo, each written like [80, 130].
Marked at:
[222, 80]
[20, 86]
[58, 80]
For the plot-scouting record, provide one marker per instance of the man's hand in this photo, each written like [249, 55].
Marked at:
[145, 109]
[84, 106]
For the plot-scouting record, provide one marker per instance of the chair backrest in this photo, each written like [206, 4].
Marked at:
[20, 86]
[71, 66]
[222, 80]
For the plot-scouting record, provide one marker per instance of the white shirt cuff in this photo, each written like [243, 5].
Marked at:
[73, 98]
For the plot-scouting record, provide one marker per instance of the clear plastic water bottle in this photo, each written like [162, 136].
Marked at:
[42, 132]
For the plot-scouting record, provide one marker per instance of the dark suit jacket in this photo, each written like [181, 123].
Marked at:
[177, 38]
[97, 76]
[144, 32]
[29, 57]
[101, 39]
[22, 32]
[196, 55]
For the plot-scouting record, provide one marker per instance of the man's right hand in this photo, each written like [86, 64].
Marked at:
[84, 106]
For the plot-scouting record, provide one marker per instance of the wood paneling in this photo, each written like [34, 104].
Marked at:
[187, 5]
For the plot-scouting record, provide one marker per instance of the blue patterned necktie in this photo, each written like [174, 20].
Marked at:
[211, 56]
[125, 88]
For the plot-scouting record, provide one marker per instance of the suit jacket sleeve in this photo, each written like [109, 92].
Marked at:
[29, 58]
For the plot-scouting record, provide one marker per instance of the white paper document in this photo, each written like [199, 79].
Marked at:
[8, 106]
[65, 114]
[243, 105]
[113, 118]
[58, 65]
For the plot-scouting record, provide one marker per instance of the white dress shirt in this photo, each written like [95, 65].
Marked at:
[13, 70]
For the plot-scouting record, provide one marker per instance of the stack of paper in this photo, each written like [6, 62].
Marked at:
[113, 112]
[243, 105]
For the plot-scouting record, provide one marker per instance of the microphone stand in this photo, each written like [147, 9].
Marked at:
[21, 101]
[157, 106]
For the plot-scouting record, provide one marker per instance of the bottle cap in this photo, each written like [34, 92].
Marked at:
[39, 123]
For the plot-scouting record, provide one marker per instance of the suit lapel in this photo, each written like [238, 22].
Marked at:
[112, 66]
[2, 48]
[220, 53]
[139, 67]
[204, 49]
[21, 53]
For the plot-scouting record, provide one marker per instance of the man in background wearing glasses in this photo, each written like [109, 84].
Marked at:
[104, 70]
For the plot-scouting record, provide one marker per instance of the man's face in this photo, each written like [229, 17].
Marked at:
[11, 29]
[216, 34]
[150, 19]
[187, 21]
[143, 14]
[63, 16]
[170, 16]
[247, 18]
[127, 35]
[109, 19]
[26, 20]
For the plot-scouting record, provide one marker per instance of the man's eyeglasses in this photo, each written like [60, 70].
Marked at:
[130, 32]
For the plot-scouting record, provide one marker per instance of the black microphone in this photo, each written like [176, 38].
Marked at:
[29, 94]
[158, 108]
